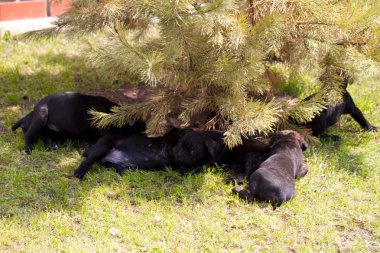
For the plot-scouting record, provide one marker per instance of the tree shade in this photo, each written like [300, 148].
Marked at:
[229, 57]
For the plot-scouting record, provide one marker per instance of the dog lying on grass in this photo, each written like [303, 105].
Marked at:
[185, 150]
[329, 116]
[198, 148]
[208, 149]
[124, 152]
[66, 115]
[274, 180]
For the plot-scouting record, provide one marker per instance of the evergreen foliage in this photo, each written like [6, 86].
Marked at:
[229, 56]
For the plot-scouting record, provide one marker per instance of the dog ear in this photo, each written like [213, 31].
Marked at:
[301, 140]
[275, 137]
[211, 146]
[304, 145]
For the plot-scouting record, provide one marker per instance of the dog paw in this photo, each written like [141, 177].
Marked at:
[373, 128]
[79, 173]
[242, 193]
[28, 150]
[237, 189]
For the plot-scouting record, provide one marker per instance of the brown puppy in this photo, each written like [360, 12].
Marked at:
[274, 180]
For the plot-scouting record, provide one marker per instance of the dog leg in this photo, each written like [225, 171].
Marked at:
[357, 114]
[301, 171]
[37, 124]
[94, 154]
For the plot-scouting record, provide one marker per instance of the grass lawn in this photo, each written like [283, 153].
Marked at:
[44, 209]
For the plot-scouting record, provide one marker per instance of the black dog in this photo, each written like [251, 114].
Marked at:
[129, 151]
[65, 114]
[198, 148]
[252, 151]
[183, 150]
[207, 148]
[331, 115]
[274, 180]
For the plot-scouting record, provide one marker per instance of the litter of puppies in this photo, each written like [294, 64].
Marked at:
[270, 169]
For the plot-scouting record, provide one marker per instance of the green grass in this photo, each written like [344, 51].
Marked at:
[44, 209]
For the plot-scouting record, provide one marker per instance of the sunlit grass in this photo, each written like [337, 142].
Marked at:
[43, 208]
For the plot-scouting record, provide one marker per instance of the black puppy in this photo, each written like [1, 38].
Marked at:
[198, 148]
[331, 115]
[129, 151]
[207, 148]
[274, 180]
[243, 159]
[236, 157]
[185, 150]
[65, 114]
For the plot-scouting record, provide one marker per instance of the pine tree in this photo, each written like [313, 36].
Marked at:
[228, 57]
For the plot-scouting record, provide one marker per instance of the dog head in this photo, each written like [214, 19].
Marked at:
[289, 136]
[194, 147]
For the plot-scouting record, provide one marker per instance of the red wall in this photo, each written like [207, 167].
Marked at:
[57, 9]
[32, 9]
[22, 10]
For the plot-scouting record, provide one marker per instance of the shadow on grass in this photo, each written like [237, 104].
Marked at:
[51, 74]
[352, 155]
[43, 182]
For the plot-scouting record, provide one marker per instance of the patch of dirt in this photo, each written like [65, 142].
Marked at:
[349, 236]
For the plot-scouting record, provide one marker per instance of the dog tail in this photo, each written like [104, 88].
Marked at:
[24, 120]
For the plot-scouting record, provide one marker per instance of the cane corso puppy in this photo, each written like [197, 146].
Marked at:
[198, 148]
[274, 180]
[207, 148]
[331, 115]
[124, 152]
[237, 157]
[66, 115]
[185, 150]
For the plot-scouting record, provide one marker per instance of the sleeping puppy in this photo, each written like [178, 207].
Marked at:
[65, 115]
[331, 115]
[198, 148]
[274, 180]
[243, 159]
[207, 148]
[253, 151]
[185, 150]
[124, 152]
